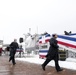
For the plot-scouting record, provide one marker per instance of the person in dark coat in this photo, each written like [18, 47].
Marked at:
[52, 54]
[0, 51]
[13, 47]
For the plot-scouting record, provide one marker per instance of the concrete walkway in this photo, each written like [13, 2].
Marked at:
[25, 68]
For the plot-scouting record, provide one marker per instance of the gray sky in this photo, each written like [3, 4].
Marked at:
[53, 16]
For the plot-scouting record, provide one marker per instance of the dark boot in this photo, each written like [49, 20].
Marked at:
[14, 63]
[43, 67]
[60, 70]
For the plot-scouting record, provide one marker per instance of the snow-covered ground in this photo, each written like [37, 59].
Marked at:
[70, 63]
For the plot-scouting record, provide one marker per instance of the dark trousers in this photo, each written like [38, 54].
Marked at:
[13, 59]
[56, 63]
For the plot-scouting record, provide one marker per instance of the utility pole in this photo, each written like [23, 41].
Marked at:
[24, 41]
[37, 29]
[30, 30]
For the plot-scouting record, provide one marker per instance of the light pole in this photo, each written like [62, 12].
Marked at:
[24, 41]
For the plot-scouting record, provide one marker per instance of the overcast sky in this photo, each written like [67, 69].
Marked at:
[53, 16]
